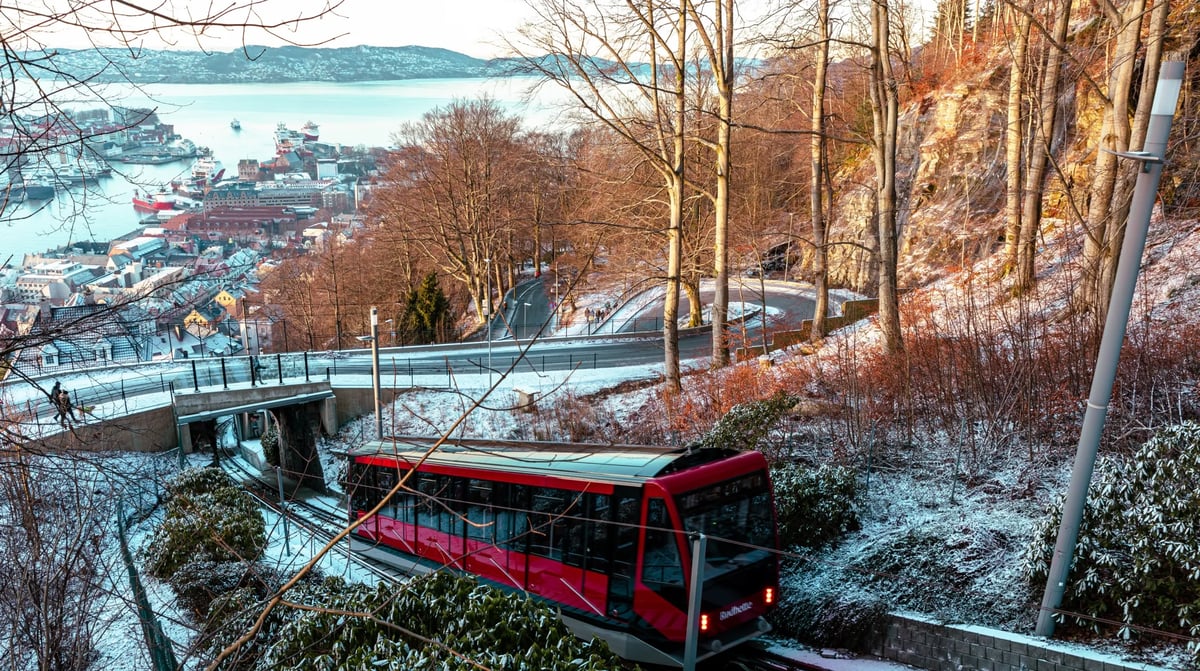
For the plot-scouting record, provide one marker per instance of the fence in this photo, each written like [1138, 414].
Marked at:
[852, 311]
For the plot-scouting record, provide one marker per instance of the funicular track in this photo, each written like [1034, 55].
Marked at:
[320, 522]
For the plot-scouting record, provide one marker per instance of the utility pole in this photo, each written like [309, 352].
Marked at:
[487, 314]
[691, 640]
[375, 372]
[1166, 96]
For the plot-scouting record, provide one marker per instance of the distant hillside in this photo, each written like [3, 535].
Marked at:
[282, 64]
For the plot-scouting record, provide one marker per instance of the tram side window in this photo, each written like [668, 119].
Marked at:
[574, 527]
[480, 519]
[364, 496]
[374, 482]
[388, 477]
[592, 550]
[628, 515]
[512, 527]
[405, 508]
[429, 510]
[662, 567]
[547, 521]
[454, 500]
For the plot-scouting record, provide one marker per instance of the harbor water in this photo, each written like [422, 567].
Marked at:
[359, 113]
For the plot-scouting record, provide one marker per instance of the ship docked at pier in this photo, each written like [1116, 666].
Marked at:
[288, 140]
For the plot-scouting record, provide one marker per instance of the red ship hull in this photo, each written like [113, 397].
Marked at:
[158, 203]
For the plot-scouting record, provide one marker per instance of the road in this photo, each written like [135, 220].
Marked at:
[527, 311]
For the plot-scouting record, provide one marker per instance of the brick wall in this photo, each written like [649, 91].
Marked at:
[937, 647]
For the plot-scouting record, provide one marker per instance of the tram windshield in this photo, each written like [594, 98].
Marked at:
[738, 518]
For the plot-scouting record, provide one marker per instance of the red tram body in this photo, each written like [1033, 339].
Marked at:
[599, 532]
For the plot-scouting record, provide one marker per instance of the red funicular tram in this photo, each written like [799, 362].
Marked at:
[600, 532]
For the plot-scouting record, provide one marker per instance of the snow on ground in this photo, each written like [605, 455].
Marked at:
[928, 500]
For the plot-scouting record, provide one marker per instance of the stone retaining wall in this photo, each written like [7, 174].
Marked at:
[937, 647]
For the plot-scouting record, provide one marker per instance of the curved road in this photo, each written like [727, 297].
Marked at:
[527, 309]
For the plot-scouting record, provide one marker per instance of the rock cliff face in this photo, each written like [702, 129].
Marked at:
[950, 182]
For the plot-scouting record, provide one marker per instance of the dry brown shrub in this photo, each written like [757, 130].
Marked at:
[990, 383]
[1002, 381]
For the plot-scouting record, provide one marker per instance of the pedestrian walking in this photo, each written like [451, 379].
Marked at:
[65, 411]
[56, 400]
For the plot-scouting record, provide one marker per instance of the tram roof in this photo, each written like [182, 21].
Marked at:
[616, 462]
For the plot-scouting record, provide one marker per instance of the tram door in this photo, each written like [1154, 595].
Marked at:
[627, 515]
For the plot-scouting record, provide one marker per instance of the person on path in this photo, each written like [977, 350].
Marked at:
[64, 406]
[53, 395]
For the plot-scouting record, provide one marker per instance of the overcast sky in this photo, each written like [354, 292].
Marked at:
[472, 27]
[469, 26]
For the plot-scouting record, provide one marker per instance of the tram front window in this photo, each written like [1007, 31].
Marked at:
[662, 566]
[737, 517]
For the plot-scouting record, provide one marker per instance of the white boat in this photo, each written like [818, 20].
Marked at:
[286, 139]
[311, 132]
[235, 124]
[206, 170]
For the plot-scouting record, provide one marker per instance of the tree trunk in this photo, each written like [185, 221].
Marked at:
[691, 289]
[1014, 139]
[1123, 192]
[885, 106]
[1040, 148]
[1101, 228]
[722, 62]
[817, 168]
[676, 183]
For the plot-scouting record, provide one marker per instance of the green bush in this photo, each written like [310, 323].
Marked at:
[814, 505]
[413, 626]
[197, 481]
[270, 445]
[1137, 559]
[208, 518]
[233, 614]
[747, 426]
[199, 583]
[834, 617]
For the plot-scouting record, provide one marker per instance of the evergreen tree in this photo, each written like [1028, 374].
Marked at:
[427, 312]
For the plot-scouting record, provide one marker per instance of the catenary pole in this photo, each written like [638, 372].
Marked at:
[375, 373]
[1166, 96]
[487, 313]
[691, 641]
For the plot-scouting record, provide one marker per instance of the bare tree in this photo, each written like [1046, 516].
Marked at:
[716, 33]
[1014, 136]
[54, 582]
[820, 196]
[1112, 184]
[885, 106]
[1041, 144]
[625, 63]
[460, 194]
[52, 573]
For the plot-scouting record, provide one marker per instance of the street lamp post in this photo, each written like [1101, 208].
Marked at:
[525, 318]
[487, 313]
[375, 371]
